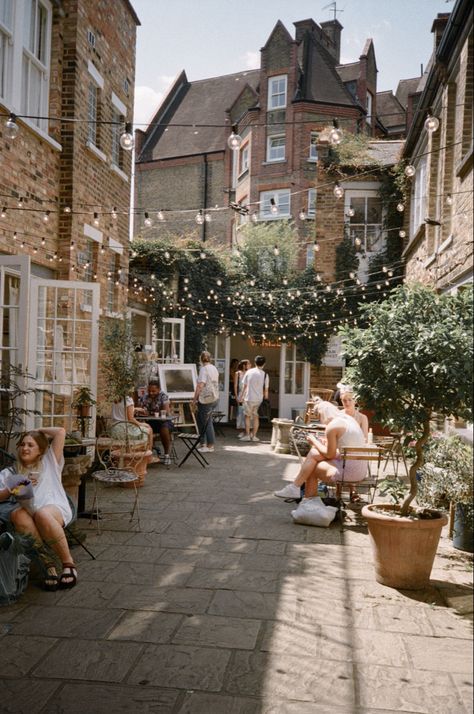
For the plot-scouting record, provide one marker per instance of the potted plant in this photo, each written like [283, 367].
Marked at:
[446, 480]
[411, 359]
[121, 372]
[83, 401]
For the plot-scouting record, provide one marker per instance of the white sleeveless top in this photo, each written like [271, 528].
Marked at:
[353, 435]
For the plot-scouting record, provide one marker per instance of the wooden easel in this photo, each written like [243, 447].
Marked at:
[185, 411]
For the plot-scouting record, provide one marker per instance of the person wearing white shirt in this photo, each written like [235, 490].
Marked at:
[254, 391]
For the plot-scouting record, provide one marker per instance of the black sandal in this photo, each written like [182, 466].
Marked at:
[51, 580]
[68, 577]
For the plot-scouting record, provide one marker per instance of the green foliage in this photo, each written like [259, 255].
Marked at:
[395, 488]
[352, 152]
[120, 363]
[257, 257]
[447, 474]
[83, 397]
[347, 259]
[14, 391]
[414, 359]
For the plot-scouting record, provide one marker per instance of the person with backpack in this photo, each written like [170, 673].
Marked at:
[254, 391]
[206, 397]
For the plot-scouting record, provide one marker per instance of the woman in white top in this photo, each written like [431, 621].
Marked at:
[347, 398]
[244, 365]
[324, 462]
[135, 430]
[206, 397]
[42, 463]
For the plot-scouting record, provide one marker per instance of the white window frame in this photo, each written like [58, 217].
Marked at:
[310, 255]
[364, 193]
[369, 107]
[18, 55]
[311, 212]
[244, 158]
[277, 96]
[313, 146]
[276, 148]
[282, 198]
[6, 46]
[418, 196]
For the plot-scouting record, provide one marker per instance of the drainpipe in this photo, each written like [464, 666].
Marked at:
[204, 199]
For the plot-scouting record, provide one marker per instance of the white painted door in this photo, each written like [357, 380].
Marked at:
[63, 348]
[294, 381]
[220, 351]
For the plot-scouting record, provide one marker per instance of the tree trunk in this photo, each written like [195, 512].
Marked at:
[416, 465]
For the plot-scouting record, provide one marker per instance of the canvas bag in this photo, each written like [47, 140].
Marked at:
[313, 512]
[210, 391]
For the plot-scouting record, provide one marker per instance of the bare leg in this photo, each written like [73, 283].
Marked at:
[324, 471]
[308, 466]
[256, 424]
[165, 439]
[46, 526]
[247, 425]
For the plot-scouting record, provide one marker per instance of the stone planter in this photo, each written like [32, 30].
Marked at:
[404, 548]
[282, 441]
[74, 468]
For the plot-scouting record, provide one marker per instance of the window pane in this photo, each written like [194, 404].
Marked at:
[374, 210]
[41, 40]
[92, 114]
[6, 13]
[358, 204]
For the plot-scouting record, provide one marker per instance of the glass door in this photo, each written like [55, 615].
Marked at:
[219, 347]
[63, 348]
[294, 382]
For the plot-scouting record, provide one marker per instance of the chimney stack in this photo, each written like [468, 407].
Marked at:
[333, 28]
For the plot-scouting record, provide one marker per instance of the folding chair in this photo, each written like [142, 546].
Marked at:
[372, 453]
[192, 441]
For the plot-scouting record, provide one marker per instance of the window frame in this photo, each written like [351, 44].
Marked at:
[364, 193]
[244, 159]
[419, 195]
[271, 104]
[276, 194]
[313, 146]
[311, 206]
[270, 148]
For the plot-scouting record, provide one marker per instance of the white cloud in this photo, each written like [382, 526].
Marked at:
[147, 101]
[251, 59]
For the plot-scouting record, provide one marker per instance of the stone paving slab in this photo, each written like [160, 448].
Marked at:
[25, 696]
[221, 604]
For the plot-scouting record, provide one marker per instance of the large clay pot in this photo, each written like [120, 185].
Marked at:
[404, 548]
[136, 462]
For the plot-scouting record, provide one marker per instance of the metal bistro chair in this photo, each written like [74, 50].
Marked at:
[372, 453]
[192, 441]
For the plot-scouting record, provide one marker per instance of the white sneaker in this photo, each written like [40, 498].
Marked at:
[241, 435]
[255, 438]
[247, 437]
[288, 491]
[206, 449]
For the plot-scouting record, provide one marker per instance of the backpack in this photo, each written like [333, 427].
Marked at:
[210, 391]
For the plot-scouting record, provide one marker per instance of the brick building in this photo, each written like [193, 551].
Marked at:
[67, 71]
[439, 222]
[283, 112]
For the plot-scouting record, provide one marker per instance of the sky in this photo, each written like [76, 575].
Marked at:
[208, 38]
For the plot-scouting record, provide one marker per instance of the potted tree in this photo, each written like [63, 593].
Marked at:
[83, 401]
[121, 371]
[412, 359]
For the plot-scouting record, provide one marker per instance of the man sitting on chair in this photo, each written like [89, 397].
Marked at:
[154, 402]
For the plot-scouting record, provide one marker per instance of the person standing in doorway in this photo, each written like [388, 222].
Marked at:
[254, 391]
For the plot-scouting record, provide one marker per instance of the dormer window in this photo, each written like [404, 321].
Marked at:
[277, 89]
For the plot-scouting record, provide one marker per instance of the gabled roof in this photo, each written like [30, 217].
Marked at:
[279, 27]
[406, 87]
[321, 81]
[348, 72]
[202, 102]
[389, 110]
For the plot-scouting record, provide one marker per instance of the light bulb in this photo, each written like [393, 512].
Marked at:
[352, 276]
[431, 124]
[199, 218]
[302, 215]
[3, 214]
[273, 207]
[316, 246]
[276, 250]
[202, 255]
[208, 217]
[410, 170]
[338, 191]
[335, 135]
[350, 212]
[46, 217]
[449, 199]
[67, 209]
[234, 141]
[167, 255]
[402, 233]
[96, 219]
[400, 207]
[147, 222]
[160, 216]
[11, 127]
[126, 139]
[114, 213]
[20, 202]
[357, 242]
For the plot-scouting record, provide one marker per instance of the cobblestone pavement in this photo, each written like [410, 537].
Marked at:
[220, 604]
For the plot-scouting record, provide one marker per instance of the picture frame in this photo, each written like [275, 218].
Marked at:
[178, 380]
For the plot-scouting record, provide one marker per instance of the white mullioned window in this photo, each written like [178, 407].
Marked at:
[311, 203]
[276, 148]
[365, 226]
[418, 197]
[281, 204]
[244, 158]
[277, 88]
[313, 146]
[25, 58]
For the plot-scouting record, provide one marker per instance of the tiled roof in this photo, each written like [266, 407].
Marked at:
[203, 102]
[348, 72]
[385, 153]
[322, 81]
[406, 87]
[389, 110]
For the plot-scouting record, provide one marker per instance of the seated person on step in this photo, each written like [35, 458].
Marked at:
[154, 403]
[324, 463]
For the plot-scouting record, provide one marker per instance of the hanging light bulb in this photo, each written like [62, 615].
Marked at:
[160, 216]
[96, 219]
[352, 275]
[276, 250]
[273, 207]
[208, 217]
[357, 242]
[46, 216]
[114, 213]
[254, 217]
[350, 212]
[431, 123]
[302, 215]
[20, 202]
[126, 138]
[3, 214]
[338, 191]
[449, 199]
[400, 207]
[199, 218]
[147, 222]
[167, 255]
[410, 170]
[67, 209]
[316, 246]
[335, 135]
[402, 233]
[11, 127]
[234, 141]
[202, 255]
[15, 235]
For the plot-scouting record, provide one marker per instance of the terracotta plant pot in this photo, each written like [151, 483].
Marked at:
[136, 461]
[404, 549]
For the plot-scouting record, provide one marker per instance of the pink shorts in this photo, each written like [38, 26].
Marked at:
[355, 470]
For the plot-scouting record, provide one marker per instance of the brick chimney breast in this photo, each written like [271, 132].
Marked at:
[333, 29]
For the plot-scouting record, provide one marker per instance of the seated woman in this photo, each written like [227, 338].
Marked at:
[349, 405]
[155, 401]
[324, 462]
[134, 430]
[42, 464]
